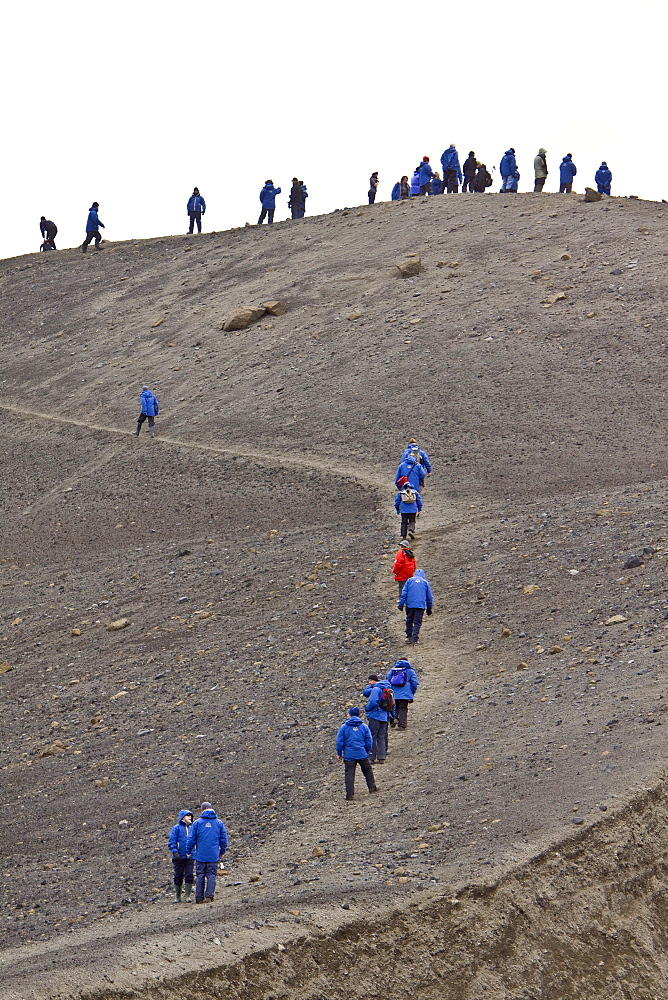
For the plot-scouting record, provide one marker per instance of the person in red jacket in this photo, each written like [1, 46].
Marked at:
[404, 565]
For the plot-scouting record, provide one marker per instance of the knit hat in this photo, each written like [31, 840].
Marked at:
[373, 677]
[353, 712]
[426, 159]
[404, 545]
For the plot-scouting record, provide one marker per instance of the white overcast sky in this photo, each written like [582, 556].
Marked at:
[132, 104]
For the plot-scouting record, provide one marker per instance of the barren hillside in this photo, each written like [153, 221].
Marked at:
[516, 846]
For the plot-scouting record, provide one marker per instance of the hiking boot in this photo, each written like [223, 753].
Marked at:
[199, 900]
[83, 248]
[208, 899]
[151, 431]
[372, 790]
[189, 889]
[349, 798]
[177, 894]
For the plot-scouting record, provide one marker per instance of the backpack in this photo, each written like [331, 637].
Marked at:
[487, 177]
[386, 700]
[399, 677]
[408, 494]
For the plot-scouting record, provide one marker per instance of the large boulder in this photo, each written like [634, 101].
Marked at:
[591, 195]
[410, 267]
[275, 308]
[243, 316]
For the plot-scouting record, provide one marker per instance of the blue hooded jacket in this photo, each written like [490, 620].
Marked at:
[424, 457]
[149, 403]
[402, 507]
[396, 191]
[413, 470]
[417, 592]
[178, 835]
[268, 196]
[424, 172]
[603, 178]
[354, 740]
[196, 203]
[415, 182]
[450, 161]
[373, 709]
[93, 224]
[408, 689]
[436, 185]
[508, 163]
[207, 839]
[567, 170]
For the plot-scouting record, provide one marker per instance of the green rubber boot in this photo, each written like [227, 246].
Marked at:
[177, 894]
[189, 889]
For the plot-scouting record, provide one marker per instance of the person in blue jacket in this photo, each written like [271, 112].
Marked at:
[184, 865]
[93, 226]
[377, 717]
[424, 457]
[268, 199]
[196, 208]
[410, 471]
[425, 174]
[150, 408]
[396, 191]
[404, 683]
[603, 178]
[436, 183]
[305, 197]
[452, 174]
[507, 169]
[416, 598]
[207, 842]
[353, 746]
[567, 171]
[415, 183]
[408, 503]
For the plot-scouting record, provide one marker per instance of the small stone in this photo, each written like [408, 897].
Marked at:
[118, 624]
[345, 906]
[52, 749]
[530, 588]
[556, 649]
[275, 308]
[101, 782]
[633, 563]
[551, 299]
[410, 267]
[243, 316]
[578, 820]
[280, 947]
[123, 822]
[5, 667]
[566, 256]
[354, 316]
[158, 322]
[506, 633]
[603, 809]
[317, 852]
[523, 666]
[616, 620]
[76, 631]
[591, 195]
[254, 878]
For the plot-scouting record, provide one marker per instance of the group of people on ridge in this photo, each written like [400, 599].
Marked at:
[357, 742]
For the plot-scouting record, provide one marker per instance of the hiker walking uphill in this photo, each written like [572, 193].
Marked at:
[603, 178]
[410, 471]
[354, 743]
[268, 200]
[404, 565]
[404, 683]
[149, 411]
[567, 171]
[93, 226]
[422, 456]
[196, 209]
[207, 842]
[452, 174]
[378, 709]
[408, 503]
[540, 170]
[416, 597]
[184, 865]
[49, 231]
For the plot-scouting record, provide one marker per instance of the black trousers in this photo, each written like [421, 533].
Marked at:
[566, 188]
[141, 418]
[297, 211]
[184, 870]
[451, 181]
[263, 215]
[407, 525]
[402, 711]
[538, 183]
[372, 197]
[414, 618]
[379, 733]
[96, 235]
[195, 217]
[349, 770]
[468, 183]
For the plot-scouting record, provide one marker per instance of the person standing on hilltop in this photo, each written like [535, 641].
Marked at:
[417, 598]
[303, 187]
[404, 565]
[48, 230]
[415, 183]
[196, 209]
[508, 169]
[296, 200]
[426, 173]
[93, 226]
[207, 842]
[373, 187]
[540, 170]
[268, 200]
[452, 174]
[483, 179]
[603, 179]
[469, 170]
[149, 410]
[567, 171]
[354, 743]
[436, 183]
